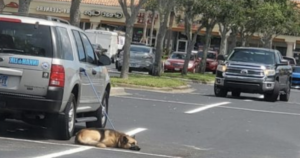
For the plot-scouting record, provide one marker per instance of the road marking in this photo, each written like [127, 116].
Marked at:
[262, 111]
[63, 153]
[206, 107]
[157, 100]
[196, 148]
[135, 131]
[261, 97]
[248, 100]
[74, 145]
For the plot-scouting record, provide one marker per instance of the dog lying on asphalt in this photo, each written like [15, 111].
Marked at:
[103, 138]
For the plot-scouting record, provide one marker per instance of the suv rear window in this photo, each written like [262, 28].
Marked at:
[141, 50]
[25, 39]
[253, 56]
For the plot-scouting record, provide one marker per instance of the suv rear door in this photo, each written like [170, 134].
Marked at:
[26, 52]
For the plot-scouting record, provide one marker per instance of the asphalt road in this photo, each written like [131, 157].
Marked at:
[194, 125]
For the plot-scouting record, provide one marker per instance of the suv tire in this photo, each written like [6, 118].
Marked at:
[119, 68]
[219, 91]
[272, 97]
[65, 124]
[101, 117]
[285, 97]
[236, 94]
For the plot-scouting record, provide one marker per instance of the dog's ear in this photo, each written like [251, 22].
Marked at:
[124, 139]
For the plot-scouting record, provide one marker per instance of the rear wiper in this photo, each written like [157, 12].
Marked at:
[7, 50]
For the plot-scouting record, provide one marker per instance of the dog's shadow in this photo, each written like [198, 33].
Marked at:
[21, 130]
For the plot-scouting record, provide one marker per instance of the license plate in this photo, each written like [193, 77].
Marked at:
[177, 69]
[3, 80]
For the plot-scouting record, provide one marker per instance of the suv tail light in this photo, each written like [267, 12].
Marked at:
[57, 76]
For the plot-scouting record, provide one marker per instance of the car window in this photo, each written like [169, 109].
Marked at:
[80, 48]
[25, 39]
[254, 56]
[63, 44]
[211, 55]
[141, 50]
[296, 69]
[88, 49]
[181, 56]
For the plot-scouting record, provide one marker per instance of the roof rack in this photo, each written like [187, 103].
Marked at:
[46, 17]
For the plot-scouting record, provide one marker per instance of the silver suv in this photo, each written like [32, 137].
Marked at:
[41, 75]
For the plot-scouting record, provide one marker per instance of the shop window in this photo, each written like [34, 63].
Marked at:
[85, 25]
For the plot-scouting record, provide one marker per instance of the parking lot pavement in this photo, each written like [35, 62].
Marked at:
[179, 125]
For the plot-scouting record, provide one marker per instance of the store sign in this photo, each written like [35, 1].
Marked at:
[141, 18]
[97, 13]
[53, 10]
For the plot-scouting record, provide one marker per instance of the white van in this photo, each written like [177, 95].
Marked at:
[107, 39]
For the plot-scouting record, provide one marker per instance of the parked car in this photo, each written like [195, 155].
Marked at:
[254, 70]
[296, 77]
[99, 50]
[42, 79]
[211, 60]
[141, 58]
[291, 60]
[175, 62]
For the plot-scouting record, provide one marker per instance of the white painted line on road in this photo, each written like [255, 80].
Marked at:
[74, 145]
[206, 107]
[135, 131]
[262, 111]
[157, 100]
[248, 100]
[63, 153]
[261, 97]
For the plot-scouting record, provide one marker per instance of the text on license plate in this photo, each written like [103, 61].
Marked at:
[3, 80]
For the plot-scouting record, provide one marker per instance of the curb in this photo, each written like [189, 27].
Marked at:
[180, 88]
[117, 91]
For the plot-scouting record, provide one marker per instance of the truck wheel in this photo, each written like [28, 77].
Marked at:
[286, 96]
[219, 91]
[99, 114]
[64, 124]
[117, 64]
[236, 94]
[119, 68]
[113, 59]
[272, 97]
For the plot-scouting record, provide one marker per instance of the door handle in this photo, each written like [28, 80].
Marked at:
[94, 72]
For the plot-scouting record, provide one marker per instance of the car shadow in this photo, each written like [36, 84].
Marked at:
[21, 130]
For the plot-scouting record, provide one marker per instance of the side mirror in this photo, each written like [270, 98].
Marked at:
[221, 57]
[284, 62]
[104, 60]
[103, 51]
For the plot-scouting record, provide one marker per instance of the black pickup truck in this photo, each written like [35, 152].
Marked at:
[254, 70]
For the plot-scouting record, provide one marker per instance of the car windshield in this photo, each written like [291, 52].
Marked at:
[181, 56]
[253, 56]
[210, 55]
[140, 50]
[296, 69]
[25, 39]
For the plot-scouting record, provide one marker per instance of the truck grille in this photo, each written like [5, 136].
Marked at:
[245, 70]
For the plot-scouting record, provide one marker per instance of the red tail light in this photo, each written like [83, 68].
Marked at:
[10, 20]
[57, 76]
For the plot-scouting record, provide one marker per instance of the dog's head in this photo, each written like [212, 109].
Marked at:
[127, 142]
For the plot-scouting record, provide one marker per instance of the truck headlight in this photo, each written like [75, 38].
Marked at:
[191, 65]
[269, 72]
[167, 63]
[221, 68]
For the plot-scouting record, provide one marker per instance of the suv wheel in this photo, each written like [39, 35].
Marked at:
[99, 114]
[236, 94]
[272, 97]
[286, 95]
[65, 124]
[219, 91]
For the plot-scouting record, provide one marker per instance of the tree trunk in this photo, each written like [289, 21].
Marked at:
[267, 40]
[126, 53]
[2, 5]
[170, 32]
[157, 67]
[144, 38]
[75, 13]
[24, 6]
[206, 48]
[233, 40]
[224, 38]
[152, 27]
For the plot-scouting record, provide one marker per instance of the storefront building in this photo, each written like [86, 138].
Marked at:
[107, 14]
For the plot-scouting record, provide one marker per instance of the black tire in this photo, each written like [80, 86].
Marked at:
[119, 68]
[236, 94]
[130, 70]
[112, 59]
[64, 124]
[101, 117]
[272, 97]
[150, 72]
[117, 65]
[214, 72]
[285, 97]
[219, 91]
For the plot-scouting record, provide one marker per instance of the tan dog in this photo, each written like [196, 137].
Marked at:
[103, 138]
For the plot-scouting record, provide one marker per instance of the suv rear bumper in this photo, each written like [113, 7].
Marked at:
[18, 102]
[245, 86]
